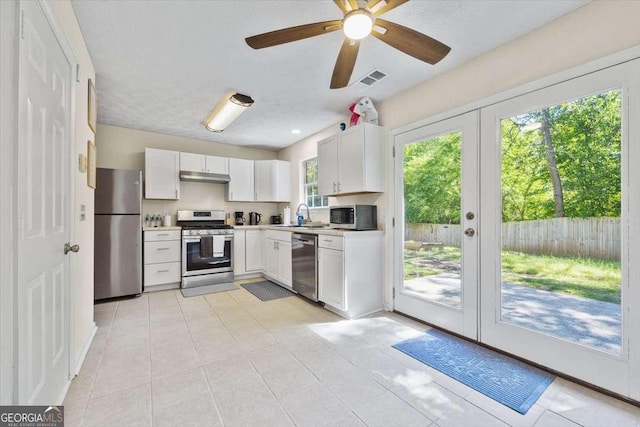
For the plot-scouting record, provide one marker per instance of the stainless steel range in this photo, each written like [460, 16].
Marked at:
[207, 248]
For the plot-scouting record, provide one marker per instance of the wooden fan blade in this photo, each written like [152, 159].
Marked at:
[346, 6]
[411, 42]
[345, 63]
[292, 34]
[378, 7]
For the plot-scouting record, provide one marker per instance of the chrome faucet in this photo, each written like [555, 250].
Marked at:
[308, 215]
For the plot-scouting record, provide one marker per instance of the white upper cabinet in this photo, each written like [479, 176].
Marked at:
[352, 161]
[215, 164]
[161, 174]
[240, 187]
[272, 181]
[191, 162]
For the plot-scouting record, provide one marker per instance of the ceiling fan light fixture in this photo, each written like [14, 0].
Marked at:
[227, 111]
[357, 24]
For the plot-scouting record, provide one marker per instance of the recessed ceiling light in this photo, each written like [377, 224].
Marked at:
[295, 131]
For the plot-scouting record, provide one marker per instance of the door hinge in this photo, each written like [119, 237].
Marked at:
[393, 222]
[393, 293]
[394, 151]
[21, 24]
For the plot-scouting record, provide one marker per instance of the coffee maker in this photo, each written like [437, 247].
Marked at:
[239, 218]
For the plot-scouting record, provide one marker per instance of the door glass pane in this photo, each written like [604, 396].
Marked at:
[561, 212]
[432, 254]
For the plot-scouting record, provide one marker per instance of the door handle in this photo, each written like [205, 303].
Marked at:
[470, 232]
[68, 248]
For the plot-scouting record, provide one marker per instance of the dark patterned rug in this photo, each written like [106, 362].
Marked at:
[267, 290]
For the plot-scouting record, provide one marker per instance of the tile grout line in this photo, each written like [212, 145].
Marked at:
[201, 365]
[244, 354]
[93, 382]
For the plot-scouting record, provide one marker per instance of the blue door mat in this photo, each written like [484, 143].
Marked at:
[504, 379]
[267, 290]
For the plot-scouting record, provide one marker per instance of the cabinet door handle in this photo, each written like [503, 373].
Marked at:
[163, 234]
[231, 197]
[162, 249]
[163, 271]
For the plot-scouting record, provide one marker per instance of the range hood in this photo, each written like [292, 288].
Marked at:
[214, 178]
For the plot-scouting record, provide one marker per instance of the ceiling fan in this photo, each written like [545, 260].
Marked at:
[361, 18]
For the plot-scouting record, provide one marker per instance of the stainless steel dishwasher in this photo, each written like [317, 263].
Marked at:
[304, 258]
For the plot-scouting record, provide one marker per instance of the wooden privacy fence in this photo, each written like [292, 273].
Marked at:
[585, 237]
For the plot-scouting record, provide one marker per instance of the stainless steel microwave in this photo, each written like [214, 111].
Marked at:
[354, 217]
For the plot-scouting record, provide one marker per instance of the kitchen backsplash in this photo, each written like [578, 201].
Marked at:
[206, 196]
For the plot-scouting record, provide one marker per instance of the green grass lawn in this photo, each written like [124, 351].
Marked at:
[585, 277]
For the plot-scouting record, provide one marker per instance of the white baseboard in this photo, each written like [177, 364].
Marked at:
[163, 287]
[85, 349]
[60, 399]
[247, 276]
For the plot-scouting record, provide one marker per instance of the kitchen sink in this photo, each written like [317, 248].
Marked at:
[309, 225]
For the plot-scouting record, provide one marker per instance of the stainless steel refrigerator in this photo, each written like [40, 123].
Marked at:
[118, 233]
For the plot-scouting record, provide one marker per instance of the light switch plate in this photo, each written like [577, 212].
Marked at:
[82, 163]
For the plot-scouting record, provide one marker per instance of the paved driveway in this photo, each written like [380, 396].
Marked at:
[585, 321]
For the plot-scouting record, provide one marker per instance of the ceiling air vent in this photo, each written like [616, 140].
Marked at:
[368, 80]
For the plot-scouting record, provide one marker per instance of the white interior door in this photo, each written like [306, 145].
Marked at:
[560, 225]
[436, 197]
[43, 208]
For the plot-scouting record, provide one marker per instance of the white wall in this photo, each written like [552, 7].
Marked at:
[81, 274]
[123, 148]
[595, 30]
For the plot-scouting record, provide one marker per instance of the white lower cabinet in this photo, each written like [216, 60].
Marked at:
[278, 257]
[247, 251]
[239, 250]
[331, 277]
[350, 272]
[253, 253]
[162, 264]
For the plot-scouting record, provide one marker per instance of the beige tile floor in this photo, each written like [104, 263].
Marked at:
[229, 359]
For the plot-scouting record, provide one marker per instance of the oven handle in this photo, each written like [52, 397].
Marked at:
[218, 262]
[194, 239]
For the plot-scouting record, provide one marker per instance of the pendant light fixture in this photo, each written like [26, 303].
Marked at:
[227, 111]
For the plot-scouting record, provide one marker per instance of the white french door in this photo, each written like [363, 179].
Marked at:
[44, 174]
[518, 225]
[437, 256]
[577, 313]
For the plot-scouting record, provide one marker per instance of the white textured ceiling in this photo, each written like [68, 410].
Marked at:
[163, 65]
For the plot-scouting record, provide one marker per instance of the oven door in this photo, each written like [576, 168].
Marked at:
[193, 264]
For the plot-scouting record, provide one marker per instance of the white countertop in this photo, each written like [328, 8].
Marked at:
[175, 227]
[303, 230]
